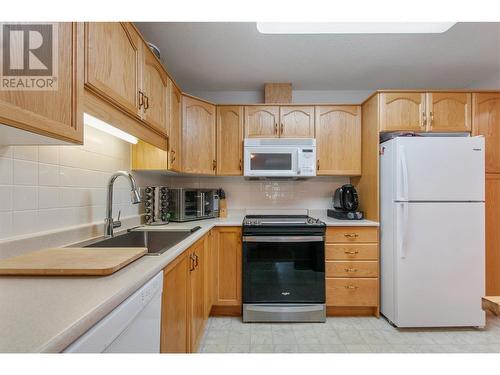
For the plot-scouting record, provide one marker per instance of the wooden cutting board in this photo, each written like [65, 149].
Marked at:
[96, 261]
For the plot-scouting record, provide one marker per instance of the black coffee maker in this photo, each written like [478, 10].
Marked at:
[345, 204]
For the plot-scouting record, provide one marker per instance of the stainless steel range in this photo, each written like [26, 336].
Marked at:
[283, 269]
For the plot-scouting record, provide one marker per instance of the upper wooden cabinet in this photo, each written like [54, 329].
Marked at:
[120, 68]
[198, 136]
[449, 112]
[402, 111]
[175, 128]
[112, 63]
[425, 112]
[154, 92]
[338, 140]
[296, 122]
[486, 121]
[56, 114]
[261, 122]
[230, 140]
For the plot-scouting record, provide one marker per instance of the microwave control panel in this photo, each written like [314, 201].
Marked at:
[307, 162]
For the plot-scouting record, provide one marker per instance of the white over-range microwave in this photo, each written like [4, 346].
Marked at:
[280, 157]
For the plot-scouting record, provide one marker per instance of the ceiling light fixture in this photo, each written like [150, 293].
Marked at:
[107, 128]
[353, 27]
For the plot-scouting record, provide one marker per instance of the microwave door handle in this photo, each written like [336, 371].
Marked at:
[199, 204]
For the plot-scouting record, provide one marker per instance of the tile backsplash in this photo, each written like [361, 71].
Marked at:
[45, 188]
[314, 193]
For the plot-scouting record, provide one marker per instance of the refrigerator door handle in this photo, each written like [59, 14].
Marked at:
[403, 230]
[404, 174]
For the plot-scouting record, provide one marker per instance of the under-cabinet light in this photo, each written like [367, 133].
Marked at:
[353, 27]
[107, 128]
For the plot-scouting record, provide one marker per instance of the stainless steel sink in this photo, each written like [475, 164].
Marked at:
[156, 241]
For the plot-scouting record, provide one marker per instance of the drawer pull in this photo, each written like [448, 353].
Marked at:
[351, 287]
[351, 269]
[351, 252]
[351, 235]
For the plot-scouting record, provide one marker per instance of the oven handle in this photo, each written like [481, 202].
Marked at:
[283, 238]
[285, 308]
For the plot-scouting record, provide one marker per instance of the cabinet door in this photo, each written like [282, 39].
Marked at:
[402, 111]
[228, 290]
[175, 128]
[208, 273]
[449, 112]
[197, 294]
[296, 122]
[261, 122]
[229, 140]
[492, 206]
[486, 121]
[112, 63]
[155, 92]
[174, 314]
[338, 140]
[59, 113]
[198, 136]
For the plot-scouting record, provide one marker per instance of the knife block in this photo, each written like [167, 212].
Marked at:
[222, 208]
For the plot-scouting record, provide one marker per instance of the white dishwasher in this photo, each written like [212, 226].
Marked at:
[132, 327]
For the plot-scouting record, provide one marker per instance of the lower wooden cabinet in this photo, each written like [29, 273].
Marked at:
[228, 271]
[352, 271]
[492, 206]
[184, 300]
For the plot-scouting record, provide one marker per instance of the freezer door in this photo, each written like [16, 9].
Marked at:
[440, 262]
[438, 168]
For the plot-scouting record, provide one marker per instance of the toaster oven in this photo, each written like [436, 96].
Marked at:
[192, 204]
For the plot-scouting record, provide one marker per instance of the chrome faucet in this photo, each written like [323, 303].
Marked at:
[109, 224]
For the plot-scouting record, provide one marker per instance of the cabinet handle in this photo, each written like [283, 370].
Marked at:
[350, 270]
[351, 252]
[351, 235]
[192, 266]
[141, 99]
[431, 119]
[424, 119]
[317, 165]
[241, 165]
[276, 128]
[172, 156]
[351, 287]
[196, 260]
[214, 164]
[146, 103]
[281, 130]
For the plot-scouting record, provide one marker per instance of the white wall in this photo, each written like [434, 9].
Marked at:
[314, 193]
[46, 188]
[298, 96]
[492, 83]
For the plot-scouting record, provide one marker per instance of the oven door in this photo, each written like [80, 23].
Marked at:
[271, 161]
[283, 269]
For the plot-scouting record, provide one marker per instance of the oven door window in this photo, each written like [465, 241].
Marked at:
[271, 161]
[283, 272]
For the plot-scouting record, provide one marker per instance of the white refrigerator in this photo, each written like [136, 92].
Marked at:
[432, 231]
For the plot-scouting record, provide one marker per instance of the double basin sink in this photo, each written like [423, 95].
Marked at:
[156, 241]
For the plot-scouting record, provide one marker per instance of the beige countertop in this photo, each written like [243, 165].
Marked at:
[46, 314]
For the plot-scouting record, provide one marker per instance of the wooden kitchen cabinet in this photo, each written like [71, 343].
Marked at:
[230, 140]
[175, 306]
[197, 258]
[175, 129]
[338, 140]
[486, 122]
[113, 63]
[403, 111]
[154, 92]
[56, 114]
[492, 206]
[228, 271]
[449, 112]
[296, 122]
[198, 136]
[262, 121]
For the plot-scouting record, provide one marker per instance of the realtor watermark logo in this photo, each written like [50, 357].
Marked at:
[28, 58]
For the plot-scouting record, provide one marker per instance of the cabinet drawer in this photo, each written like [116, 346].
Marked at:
[352, 234]
[352, 269]
[362, 251]
[351, 292]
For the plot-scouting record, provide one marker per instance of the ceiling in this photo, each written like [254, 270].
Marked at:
[236, 57]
